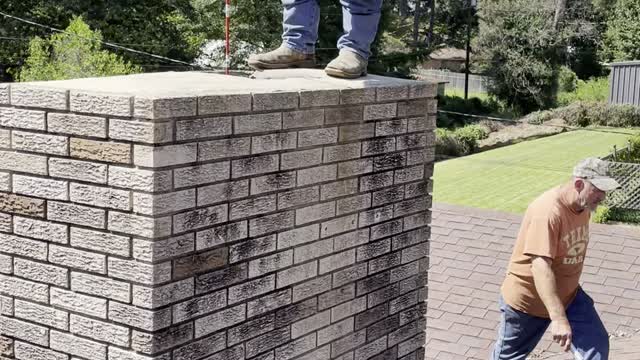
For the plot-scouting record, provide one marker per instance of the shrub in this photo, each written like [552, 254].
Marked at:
[601, 215]
[461, 141]
[631, 153]
[567, 80]
[590, 113]
[596, 89]
[625, 215]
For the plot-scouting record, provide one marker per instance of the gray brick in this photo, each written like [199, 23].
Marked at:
[200, 218]
[224, 148]
[221, 278]
[296, 347]
[164, 204]
[416, 220]
[297, 274]
[273, 182]
[372, 283]
[387, 229]
[167, 155]
[270, 302]
[275, 100]
[22, 119]
[409, 174]
[77, 259]
[204, 347]
[156, 108]
[385, 262]
[100, 150]
[99, 241]
[388, 195]
[41, 143]
[83, 304]
[42, 315]
[219, 320]
[78, 170]
[201, 174]
[389, 161]
[378, 146]
[415, 252]
[147, 343]
[317, 174]
[191, 264]
[339, 189]
[15, 245]
[251, 329]
[336, 296]
[371, 316]
[380, 111]
[387, 93]
[203, 128]
[24, 331]
[344, 114]
[152, 298]
[22, 205]
[349, 275]
[337, 261]
[74, 345]
[273, 142]
[5, 222]
[255, 165]
[81, 125]
[293, 313]
[270, 263]
[412, 141]
[313, 251]
[298, 197]
[423, 123]
[33, 164]
[317, 137]
[139, 225]
[107, 104]
[339, 225]
[310, 324]
[421, 157]
[348, 343]
[228, 103]
[311, 288]
[297, 236]
[138, 179]
[341, 152]
[315, 213]
[271, 223]
[5, 181]
[222, 234]
[5, 93]
[371, 349]
[161, 250]
[391, 127]
[410, 206]
[12, 286]
[26, 351]
[351, 239]
[198, 306]
[251, 207]
[376, 215]
[6, 264]
[76, 214]
[252, 248]
[356, 132]
[255, 123]
[354, 203]
[35, 271]
[217, 193]
[139, 318]
[422, 89]
[100, 286]
[6, 305]
[142, 273]
[251, 289]
[119, 354]
[235, 353]
[303, 118]
[419, 107]
[412, 344]
[100, 196]
[5, 139]
[355, 167]
[267, 341]
[141, 131]
[405, 271]
[99, 330]
[300, 159]
[403, 302]
[335, 331]
[323, 353]
[310, 98]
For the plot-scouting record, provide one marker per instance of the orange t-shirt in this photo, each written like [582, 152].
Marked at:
[550, 228]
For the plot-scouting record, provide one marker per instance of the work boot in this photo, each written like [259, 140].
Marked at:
[281, 58]
[348, 65]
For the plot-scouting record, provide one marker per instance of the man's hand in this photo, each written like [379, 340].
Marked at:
[561, 331]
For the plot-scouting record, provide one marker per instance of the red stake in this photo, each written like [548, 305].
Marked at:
[227, 15]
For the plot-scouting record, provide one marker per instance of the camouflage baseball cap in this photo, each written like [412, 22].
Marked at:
[596, 171]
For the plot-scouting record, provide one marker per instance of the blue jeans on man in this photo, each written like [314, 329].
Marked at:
[519, 333]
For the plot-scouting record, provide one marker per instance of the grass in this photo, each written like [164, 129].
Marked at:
[509, 178]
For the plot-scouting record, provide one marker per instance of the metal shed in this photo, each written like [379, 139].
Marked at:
[624, 83]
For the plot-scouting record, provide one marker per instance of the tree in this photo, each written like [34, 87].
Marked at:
[76, 53]
[622, 38]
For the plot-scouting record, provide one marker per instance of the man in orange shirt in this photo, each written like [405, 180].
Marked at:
[541, 287]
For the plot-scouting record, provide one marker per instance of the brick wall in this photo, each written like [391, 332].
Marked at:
[158, 221]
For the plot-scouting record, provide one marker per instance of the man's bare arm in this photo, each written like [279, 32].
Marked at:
[545, 282]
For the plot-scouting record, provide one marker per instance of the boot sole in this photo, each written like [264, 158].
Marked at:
[343, 74]
[297, 64]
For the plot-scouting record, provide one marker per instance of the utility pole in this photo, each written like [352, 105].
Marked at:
[470, 5]
[432, 16]
[416, 21]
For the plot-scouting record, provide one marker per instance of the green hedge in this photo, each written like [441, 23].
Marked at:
[605, 214]
[461, 141]
[590, 113]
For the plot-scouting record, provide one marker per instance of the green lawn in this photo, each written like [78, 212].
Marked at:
[508, 178]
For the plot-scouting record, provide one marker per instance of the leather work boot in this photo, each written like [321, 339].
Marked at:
[348, 65]
[281, 58]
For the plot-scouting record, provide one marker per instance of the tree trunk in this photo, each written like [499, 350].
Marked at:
[416, 22]
[560, 8]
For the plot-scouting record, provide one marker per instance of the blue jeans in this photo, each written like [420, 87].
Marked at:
[519, 333]
[360, 20]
